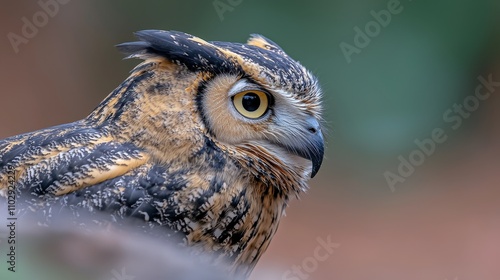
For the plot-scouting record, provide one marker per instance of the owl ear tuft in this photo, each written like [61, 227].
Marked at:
[178, 47]
[262, 42]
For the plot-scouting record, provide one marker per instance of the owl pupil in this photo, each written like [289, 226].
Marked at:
[251, 102]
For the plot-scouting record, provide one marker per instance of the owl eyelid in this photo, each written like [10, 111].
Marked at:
[249, 89]
[246, 85]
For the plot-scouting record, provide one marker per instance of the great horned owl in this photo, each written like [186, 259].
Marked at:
[207, 139]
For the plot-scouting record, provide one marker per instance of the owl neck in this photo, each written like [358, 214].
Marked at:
[151, 109]
[283, 179]
[120, 104]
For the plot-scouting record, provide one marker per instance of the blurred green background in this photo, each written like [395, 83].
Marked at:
[442, 222]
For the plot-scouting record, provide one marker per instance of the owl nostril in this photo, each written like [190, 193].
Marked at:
[313, 130]
[313, 125]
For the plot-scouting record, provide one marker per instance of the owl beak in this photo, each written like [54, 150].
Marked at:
[313, 148]
[316, 156]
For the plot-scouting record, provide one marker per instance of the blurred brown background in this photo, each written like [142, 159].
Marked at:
[442, 222]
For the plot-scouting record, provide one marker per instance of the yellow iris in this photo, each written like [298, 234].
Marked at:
[251, 104]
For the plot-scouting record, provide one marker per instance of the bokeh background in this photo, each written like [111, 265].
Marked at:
[442, 222]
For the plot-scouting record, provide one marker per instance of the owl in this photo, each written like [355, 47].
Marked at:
[207, 141]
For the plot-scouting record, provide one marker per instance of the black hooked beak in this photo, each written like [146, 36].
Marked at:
[314, 147]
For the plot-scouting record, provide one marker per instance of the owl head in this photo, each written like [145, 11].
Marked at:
[251, 100]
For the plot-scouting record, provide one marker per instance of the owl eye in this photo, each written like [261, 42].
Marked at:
[252, 104]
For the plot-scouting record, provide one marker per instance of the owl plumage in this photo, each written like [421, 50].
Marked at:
[207, 139]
